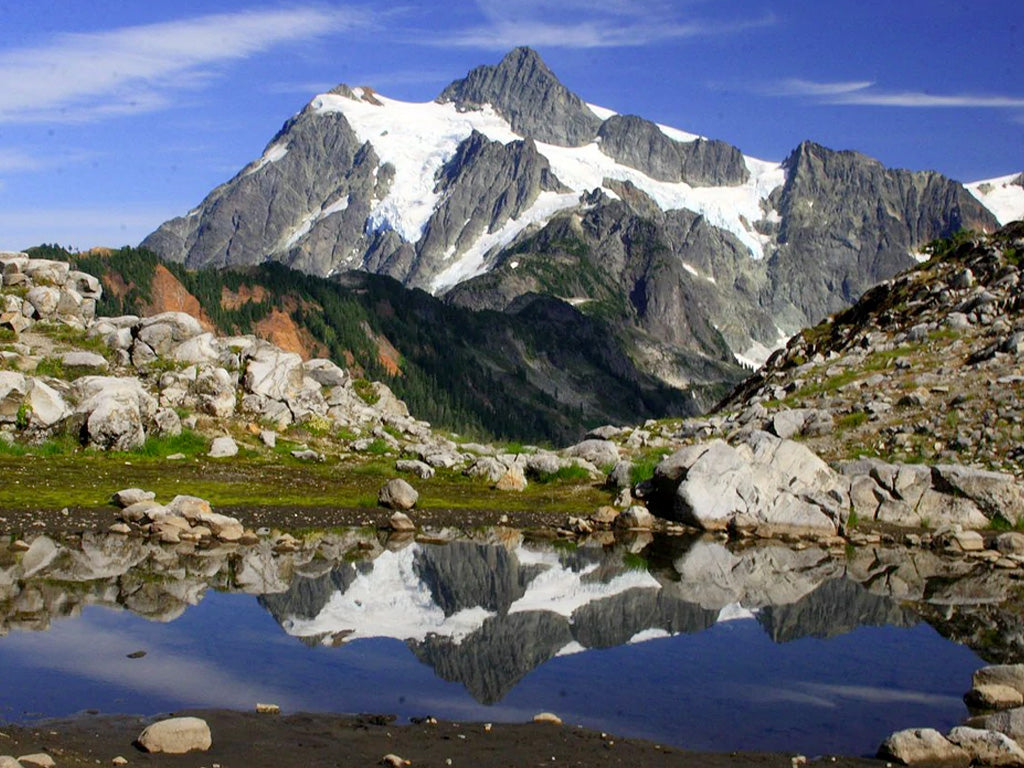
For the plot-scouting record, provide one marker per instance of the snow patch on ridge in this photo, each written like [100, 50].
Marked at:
[474, 261]
[307, 224]
[1001, 196]
[272, 154]
[757, 353]
[417, 139]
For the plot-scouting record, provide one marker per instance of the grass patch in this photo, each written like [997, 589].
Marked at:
[188, 442]
[643, 466]
[1000, 523]
[851, 420]
[7, 335]
[51, 366]
[366, 391]
[378, 447]
[570, 474]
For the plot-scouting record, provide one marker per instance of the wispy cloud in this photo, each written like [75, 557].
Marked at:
[79, 77]
[12, 160]
[587, 24]
[865, 93]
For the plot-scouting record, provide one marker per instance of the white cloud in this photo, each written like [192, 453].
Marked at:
[864, 93]
[132, 69]
[12, 160]
[586, 24]
[797, 87]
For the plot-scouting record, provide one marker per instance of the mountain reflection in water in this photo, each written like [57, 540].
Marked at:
[688, 642]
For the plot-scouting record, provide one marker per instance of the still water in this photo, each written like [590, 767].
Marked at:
[686, 642]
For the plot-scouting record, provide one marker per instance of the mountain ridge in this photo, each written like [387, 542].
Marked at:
[762, 248]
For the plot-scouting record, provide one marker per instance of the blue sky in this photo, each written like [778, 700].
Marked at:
[116, 115]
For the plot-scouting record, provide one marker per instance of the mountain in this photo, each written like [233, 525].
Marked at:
[508, 184]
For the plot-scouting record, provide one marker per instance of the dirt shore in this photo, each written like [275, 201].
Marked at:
[290, 741]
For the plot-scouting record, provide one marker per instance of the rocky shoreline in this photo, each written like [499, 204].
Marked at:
[302, 739]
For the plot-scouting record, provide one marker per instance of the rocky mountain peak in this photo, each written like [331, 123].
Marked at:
[529, 95]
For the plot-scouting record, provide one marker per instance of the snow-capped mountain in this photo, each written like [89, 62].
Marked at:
[509, 184]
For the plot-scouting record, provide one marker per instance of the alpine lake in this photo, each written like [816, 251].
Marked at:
[694, 642]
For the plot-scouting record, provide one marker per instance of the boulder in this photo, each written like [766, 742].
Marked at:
[166, 330]
[83, 361]
[1010, 543]
[129, 496]
[273, 373]
[987, 747]
[176, 736]
[398, 494]
[512, 479]
[789, 422]
[772, 485]
[993, 696]
[198, 350]
[600, 453]
[1010, 675]
[46, 405]
[37, 760]
[995, 493]
[44, 300]
[13, 389]
[1010, 722]
[223, 447]
[215, 390]
[923, 745]
[326, 373]
[420, 469]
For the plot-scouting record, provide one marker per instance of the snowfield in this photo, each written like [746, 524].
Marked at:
[419, 138]
[1001, 196]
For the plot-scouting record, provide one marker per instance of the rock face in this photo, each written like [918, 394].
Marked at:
[526, 93]
[641, 144]
[176, 736]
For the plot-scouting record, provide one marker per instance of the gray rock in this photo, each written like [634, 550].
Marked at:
[995, 493]
[47, 406]
[129, 496]
[44, 300]
[268, 437]
[166, 330]
[13, 389]
[86, 360]
[1010, 675]
[621, 475]
[223, 447]
[274, 373]
[420, 469]
[526, 93]
[398, 494]
[1010, 543]
[600, 453]
[641, 144]
[993, 696]
[916, 746]
[176, 736]
[513, 479]
[789, 422]
[1010, 722]
[37, 760]
[987, 747]
[305, 454]
[326, 373]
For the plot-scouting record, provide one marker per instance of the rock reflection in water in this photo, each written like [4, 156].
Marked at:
[485, 611]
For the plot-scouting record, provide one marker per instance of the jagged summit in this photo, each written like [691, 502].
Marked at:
[525, 92]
